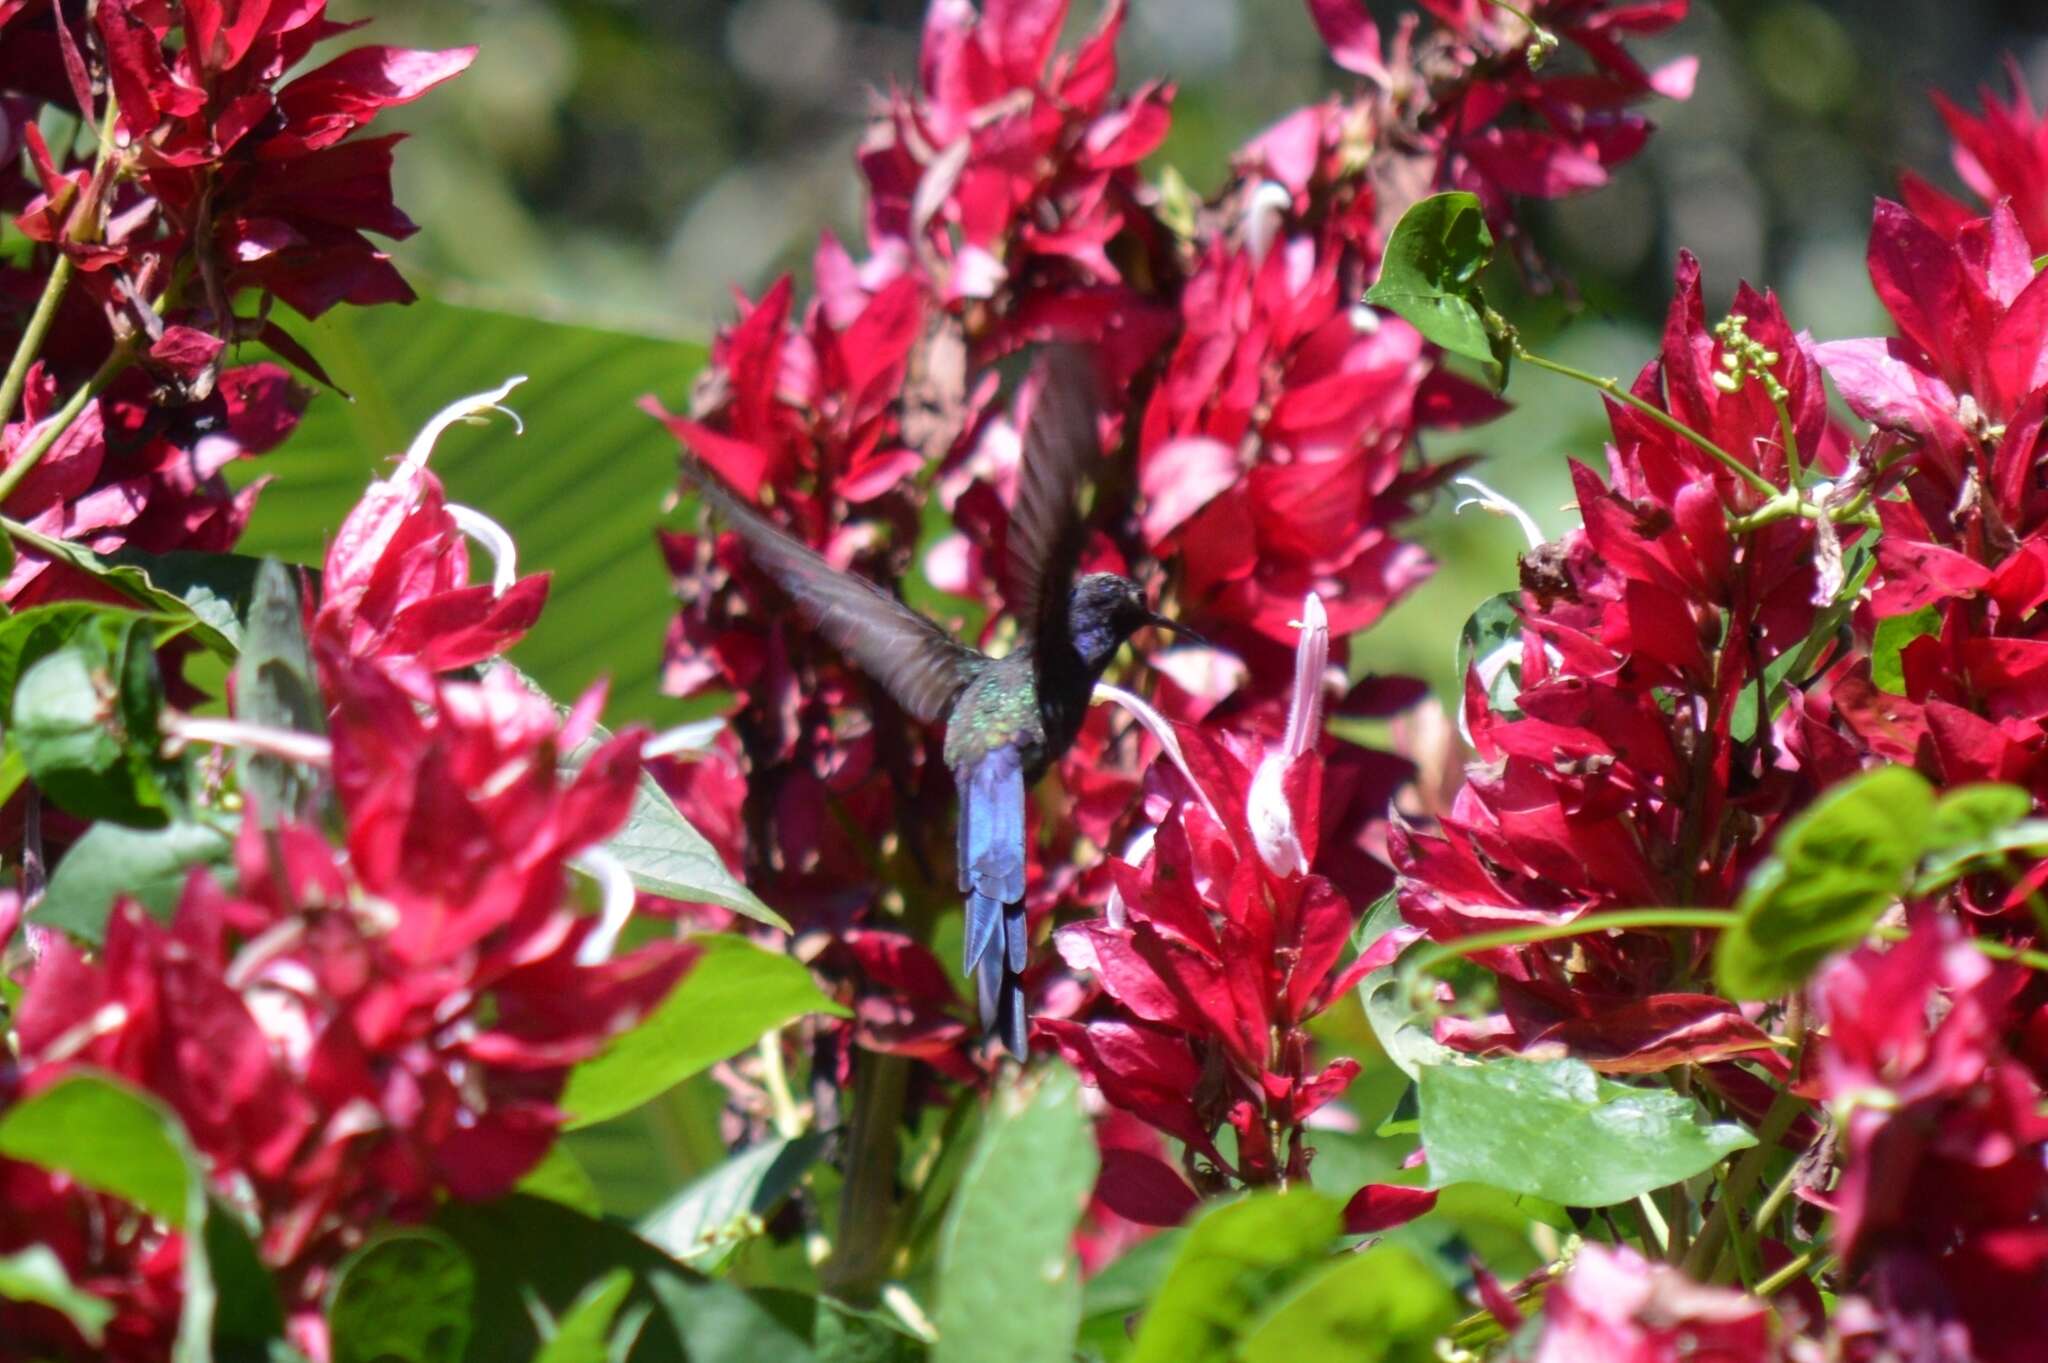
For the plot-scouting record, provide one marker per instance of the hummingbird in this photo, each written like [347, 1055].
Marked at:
[1007, 719]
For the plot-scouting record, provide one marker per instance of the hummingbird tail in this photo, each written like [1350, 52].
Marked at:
[992, 860]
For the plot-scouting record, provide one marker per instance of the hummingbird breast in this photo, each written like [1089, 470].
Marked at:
[1000, 708]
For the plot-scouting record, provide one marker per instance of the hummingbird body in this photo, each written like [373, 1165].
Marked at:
[1007, 719]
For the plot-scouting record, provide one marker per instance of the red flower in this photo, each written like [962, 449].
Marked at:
[2000, 154]
[1617, 1307]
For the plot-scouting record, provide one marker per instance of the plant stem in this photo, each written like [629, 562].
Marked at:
[1551, 932]
[1613, 389]
[31, 343]
[867, 1210]
[1790, 440]
[1997, 951]
[1705, 1258]
[789, 1123]
[1785, 1273]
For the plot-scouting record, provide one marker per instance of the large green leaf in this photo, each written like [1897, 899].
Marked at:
[1559, 1131]
[276, 688]
[1009, 1286]
[133, 575]
[703, 1222]
[85, 720]
[580, 491]
[583, 1334]
[149, 865]
[1429, 273]
[1830, 876]
[37, 1275]
[667, 857]
[731, 996]
[1236, 1261]
[1406, 1034]
[1894, 633]
[405, 1298]
[1381, 1306]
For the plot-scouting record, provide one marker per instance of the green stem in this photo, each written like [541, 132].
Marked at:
[1613, 389]
[1791, 441]
[867, 1204]
[31, 343]
[1784, 1274]
[59, 422]
[1551, 932]
[1997, 951]
[1704, 1262]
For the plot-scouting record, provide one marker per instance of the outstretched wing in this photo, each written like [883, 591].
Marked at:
[1046, 532]
[919, 664]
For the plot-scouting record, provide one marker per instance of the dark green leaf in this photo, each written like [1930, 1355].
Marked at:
[1112, 1299]
[733, 995]
[150, 865]
[1429, 273]
[1009, 1285]
[1559, 1131]
[33, 634]
[703, 1222]
[217, 588]
[247, 1315]
[407, 1298]
[1237, 1260]
[37, 1275]
[85, 722]
[1497, 624]
[846, 1334]
[1381, 1306]
[1894, 633]
[583, 1334]
[719, 1323]
[135, 583]
[275, 687]
[1831, 874]
[580, 492]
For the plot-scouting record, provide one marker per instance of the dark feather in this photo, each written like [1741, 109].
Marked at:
[992, 857]
[1046, 532]
[920, 664]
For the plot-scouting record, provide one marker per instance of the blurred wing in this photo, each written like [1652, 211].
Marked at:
[921, 665]
[1046, 532]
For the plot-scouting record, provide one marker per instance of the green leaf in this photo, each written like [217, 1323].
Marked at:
[108, 1137]
[1830, 876]
[149, 865]
[1893, 634]
[1116, 1294]
[1493, 626]
[117, 1140]
[405, 1298]
[275, 687]
[730, 997]
[85, 722]
[37, 1275]
[560, 1177]
[1381, 1306]
[247, 1314]
[703, 1222]
[580, 492]
[1968, 816]
[216, 588]
[33, 634]
[136, 583]
[667, 857]
[1405, 1034]
[2029, 836]
[719, 1323]
[1236, 1261]
[583, 1333]
[1558, 1131]
[1429, 273]
[1009, 1285]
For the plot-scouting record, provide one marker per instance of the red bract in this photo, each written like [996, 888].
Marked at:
[106, 1248]
[130, 474]
[2001, 154]
[1610, 777]
[1617, 1307]
[1945, 1151]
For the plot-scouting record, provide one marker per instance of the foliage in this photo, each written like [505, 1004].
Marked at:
[1697, 988]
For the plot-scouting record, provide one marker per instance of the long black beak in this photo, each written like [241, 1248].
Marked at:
[1173, 626]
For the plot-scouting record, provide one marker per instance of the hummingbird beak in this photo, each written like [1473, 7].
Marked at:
[1173, 626]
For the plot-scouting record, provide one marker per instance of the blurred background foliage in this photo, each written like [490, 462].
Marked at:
[591, 190]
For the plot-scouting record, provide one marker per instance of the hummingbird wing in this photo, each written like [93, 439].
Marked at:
[1046, 533]
[919, 664]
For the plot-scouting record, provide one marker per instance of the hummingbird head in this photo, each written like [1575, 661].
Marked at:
[1103, 610]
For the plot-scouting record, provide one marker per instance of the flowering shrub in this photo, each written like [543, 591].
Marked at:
[1708, 949]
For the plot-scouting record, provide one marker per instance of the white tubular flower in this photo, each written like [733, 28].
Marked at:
[1262, 215]
[1266, 808]
[462, 409]
[619, 896]
[1156, 725]
[1490, 500]
[1136, 850]
[685, 740]
[496, 541]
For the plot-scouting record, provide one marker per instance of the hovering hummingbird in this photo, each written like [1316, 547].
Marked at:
[1008, 718]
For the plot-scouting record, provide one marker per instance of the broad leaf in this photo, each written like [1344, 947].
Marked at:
[149, 865]
[1236, 1262]
[1495, 625]
[85, 720]
[1009, 1285]
[1830, 876]
[1969, 816]
[1559, 1131]
[126, 576]
[1893, 634]
[719, 1323]
[703, 1222]
[1381, 1306]
[583, 1334]
[37, 1275]
[667, 857]
[580, 492]
[1407, 1035]
[561, 1177]
[1429, 273]
[1115, 1295]
[732, 995]
[275, 687]
[406, 1298]
[1950, 864]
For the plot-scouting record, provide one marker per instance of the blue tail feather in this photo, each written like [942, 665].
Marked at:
[984, 917]
[992, 866]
